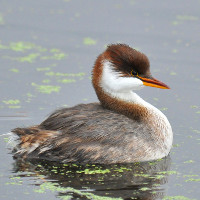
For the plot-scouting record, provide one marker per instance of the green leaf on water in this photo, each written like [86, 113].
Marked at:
[89, 41]
[47, 89]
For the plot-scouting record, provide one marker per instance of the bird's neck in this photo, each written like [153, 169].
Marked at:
[127, 103]
[134, 107]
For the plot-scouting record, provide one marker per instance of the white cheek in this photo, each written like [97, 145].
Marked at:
[111, 80]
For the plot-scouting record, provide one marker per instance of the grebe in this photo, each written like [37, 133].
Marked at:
[122, 128]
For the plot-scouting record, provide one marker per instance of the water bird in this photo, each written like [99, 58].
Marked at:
[121, 128]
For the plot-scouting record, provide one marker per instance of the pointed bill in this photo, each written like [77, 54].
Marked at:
[152, 82]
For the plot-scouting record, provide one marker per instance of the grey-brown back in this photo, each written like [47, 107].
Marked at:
[90, 133]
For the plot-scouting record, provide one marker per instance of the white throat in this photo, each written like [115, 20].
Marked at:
[114, 84]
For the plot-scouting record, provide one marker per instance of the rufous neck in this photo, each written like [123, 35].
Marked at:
[128, 104]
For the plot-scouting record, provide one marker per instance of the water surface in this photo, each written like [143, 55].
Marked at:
[47, 50]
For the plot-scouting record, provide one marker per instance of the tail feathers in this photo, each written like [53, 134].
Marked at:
[26, 131]
[29, 139]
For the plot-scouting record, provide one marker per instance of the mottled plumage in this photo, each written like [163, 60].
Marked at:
[123, 128]
[81, 138]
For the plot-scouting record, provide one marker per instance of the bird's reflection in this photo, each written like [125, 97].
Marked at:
[143, 180]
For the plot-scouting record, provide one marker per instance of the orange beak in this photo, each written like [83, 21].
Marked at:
[152, 82]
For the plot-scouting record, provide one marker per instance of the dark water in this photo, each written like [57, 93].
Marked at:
[47, 49]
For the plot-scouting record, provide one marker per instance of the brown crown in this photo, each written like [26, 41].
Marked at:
[125, 60]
